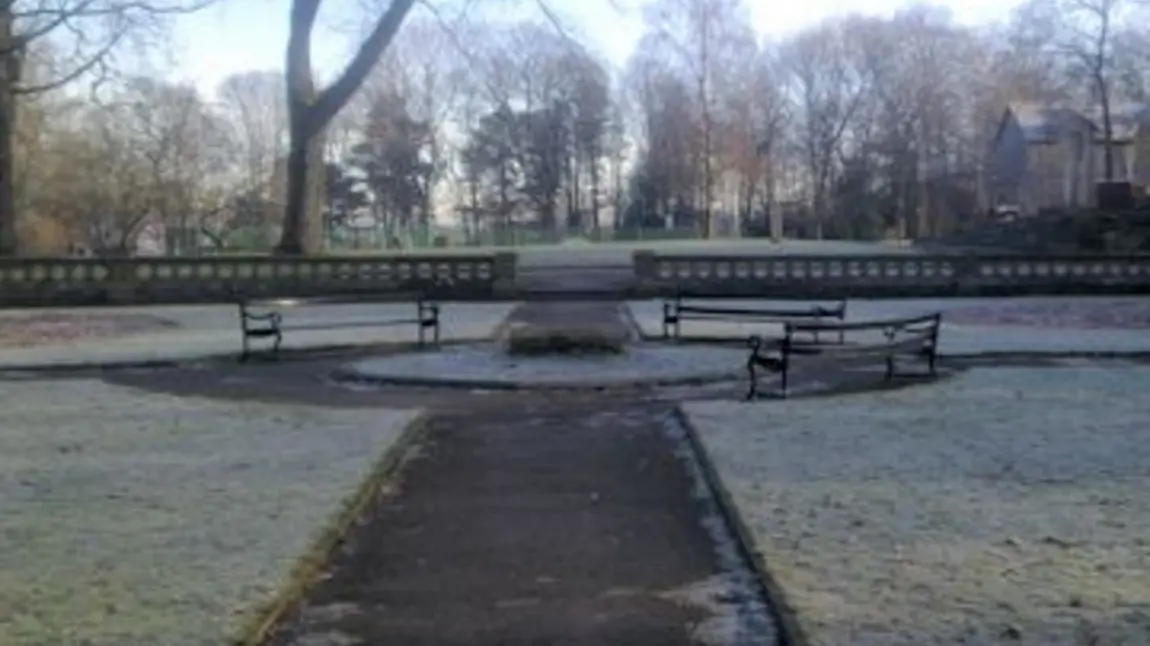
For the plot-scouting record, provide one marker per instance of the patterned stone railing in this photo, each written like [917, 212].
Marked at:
[891, 275]
[121, 281]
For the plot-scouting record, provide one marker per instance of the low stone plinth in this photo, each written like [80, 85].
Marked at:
[536, 340]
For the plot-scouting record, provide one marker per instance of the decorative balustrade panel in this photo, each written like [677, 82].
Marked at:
[76, 281]
[879, 275]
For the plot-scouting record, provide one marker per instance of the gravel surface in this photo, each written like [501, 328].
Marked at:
[488, 363]
[27, 330]
[136, 520]
[1007, 507]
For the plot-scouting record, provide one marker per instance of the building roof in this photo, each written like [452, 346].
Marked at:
[1044, 123]
[1125, 120]
[1040, 123]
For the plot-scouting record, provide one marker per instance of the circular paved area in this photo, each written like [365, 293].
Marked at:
[486, 365]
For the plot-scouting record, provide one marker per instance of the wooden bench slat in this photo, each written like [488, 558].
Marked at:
[675, 312]
[878, 350]
[740, 312]
[347, 324]
[336, 299]
[876, 324]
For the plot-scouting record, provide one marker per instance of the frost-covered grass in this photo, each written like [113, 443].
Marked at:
[214, 331]
[1007, 507]
[132, 519]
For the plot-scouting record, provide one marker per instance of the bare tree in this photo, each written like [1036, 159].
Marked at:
[829, 91]
[1083, 35]
[423, 67]
[697, 33]
[311, 110]
[87, 33]
[771, 113]
[255, 107]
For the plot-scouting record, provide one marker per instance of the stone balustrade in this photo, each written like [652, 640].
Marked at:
[890, 275]
[122, 281]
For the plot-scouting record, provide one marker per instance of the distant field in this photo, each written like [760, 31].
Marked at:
[619, 253]
[576, 251]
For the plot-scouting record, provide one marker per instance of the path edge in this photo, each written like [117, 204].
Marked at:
[349, 375]
[791, 631]
[309, 567]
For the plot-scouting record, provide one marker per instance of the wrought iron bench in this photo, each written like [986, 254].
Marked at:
[267, 321]
[914, 337]
[675, 311]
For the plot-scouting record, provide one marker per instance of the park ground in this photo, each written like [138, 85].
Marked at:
[174, 500]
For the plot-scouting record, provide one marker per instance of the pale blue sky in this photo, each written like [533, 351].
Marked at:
[252, 34]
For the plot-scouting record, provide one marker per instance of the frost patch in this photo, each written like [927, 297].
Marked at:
[143, 519]
[739, 615]
[724, 626]
[1007, 506]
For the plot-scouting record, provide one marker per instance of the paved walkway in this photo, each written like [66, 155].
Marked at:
[539, 524]
[542, 521]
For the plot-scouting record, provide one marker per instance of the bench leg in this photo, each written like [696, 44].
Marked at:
[245, 347]
[276, 344]
[889, 367]
[753, 388]
[783, 378]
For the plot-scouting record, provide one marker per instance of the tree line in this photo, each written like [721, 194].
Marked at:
[857, 127]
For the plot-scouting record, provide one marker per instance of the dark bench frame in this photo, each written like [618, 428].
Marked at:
[675, 312]
[269, 324]
[915, 337]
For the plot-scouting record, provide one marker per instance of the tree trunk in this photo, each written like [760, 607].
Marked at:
[774, 213]
[1107, 129]
[294, 234]
[595, 193]
[310, 112]
[9, 77]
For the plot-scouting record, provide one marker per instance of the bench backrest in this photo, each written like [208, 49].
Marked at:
[817, 311]
[925, 326]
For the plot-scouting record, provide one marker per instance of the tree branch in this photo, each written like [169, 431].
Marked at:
[331, 100]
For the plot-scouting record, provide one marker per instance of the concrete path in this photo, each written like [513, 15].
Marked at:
[541, 521]
[538, 524]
